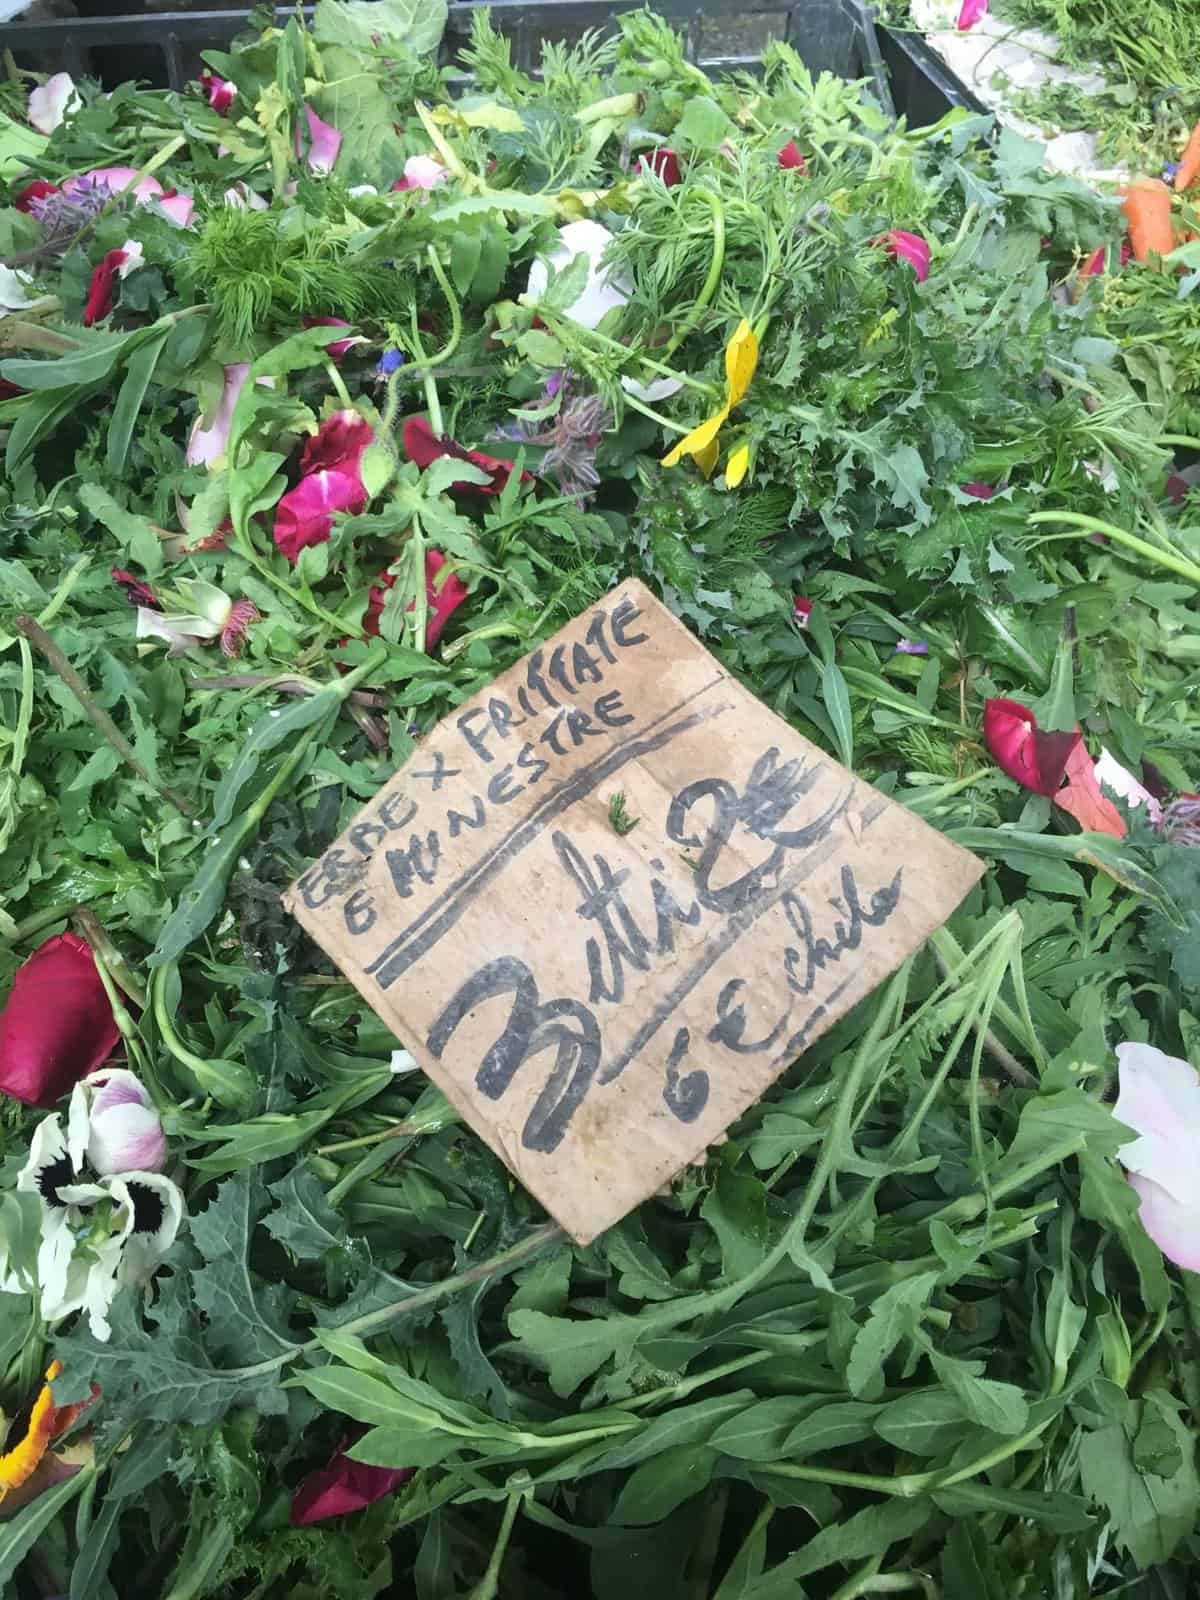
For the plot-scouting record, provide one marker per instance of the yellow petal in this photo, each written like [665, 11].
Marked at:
[736, 466]
[20, 1463]
[706, 459]
[699, 440]
[741, 358]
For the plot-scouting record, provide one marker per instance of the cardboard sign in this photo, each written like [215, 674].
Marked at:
[601, 1005]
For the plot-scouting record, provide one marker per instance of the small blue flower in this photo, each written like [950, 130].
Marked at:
[390, 361]
[912, 647]
[1169, 171]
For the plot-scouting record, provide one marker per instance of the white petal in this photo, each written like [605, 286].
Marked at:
[50, 102]
[360, 189]
[602, 292]
[127, 1138]
[78, 1117]
[246, 198]
[1174, 1227]
[1160, 1100]
[54, 1260]
[143, 1251]
[402, 1062]
[100, 1287]
[1118, 780]
[14, 289]
[134, 258]
[424, 172]
[45, 1148]
[656, 389]
[179, 632]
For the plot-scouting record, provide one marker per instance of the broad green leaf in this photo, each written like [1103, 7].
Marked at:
[654, 1490]
[136, 535]
[928, 1423]
[138, 372]
[760, 1432]
[372, 25]
[892, 1316]
[872, 1531]
[19, 1535]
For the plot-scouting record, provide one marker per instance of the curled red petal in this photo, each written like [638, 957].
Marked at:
[100, 291]
[337, 348]
[221, 93]
[57, 1025]
[664, 164]
[1032, 757]
[980, 491]
[37, 190]
[136, 592]
[342, 1486]
[792, 158]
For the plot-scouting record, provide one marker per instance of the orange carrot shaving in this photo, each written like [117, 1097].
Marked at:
[1147, 204]
[1189, 162]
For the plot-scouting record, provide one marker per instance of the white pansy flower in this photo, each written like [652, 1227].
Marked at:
[603, 292]
[102, 1234]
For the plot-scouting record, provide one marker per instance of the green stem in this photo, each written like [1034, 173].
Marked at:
[486, 1588]
[58, 912]
[451, 345]
[655, 416]
[709, 287]
[493, 630]
[1162, 558]
[96, 715]
[859, 1583]
[339, 387]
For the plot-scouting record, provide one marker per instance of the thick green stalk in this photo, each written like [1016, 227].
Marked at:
[1162, 558]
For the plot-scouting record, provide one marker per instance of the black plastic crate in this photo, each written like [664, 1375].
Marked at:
[923, 87]
[163, 48]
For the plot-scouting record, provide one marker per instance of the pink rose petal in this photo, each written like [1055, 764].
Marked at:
[50, 102]
[324, 142]
[909, 247]
[973, 11]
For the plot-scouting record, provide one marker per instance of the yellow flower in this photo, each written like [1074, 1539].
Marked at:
[21, 1462]
[741, 358]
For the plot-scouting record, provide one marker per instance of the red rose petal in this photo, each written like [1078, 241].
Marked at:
[57, 1025]
[1035, 759]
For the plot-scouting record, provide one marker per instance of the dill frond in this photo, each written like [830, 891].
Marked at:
[488, 57]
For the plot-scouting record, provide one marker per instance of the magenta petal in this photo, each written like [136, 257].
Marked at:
[912, 248]
[57, 1024]
[324, 142]
[341, 1486]
[979, 491]
[305, 514]
[1032, 757]
[973, 11]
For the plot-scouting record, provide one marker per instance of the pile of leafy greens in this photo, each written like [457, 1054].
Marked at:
[904, 1331]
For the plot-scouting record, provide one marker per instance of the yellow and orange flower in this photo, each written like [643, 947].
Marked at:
[46, 1422]
[741, 359]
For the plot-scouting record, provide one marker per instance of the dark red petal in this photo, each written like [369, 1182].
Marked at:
[421, 444]
[9, 391]
[444, 600]
[57, 1025]
[337, 445]
[136, 592]
[342, 1486]
[664, 164]
[100, 291]
[37, 190]
[792, 158]
[1035, 759]
[981, 491]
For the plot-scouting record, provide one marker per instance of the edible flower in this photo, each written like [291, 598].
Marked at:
[423, 447]
[331, 481]
[57, 1024]
[1159, 1100]
[664, 164]
[570, 437]
[442, 600]
[197, 613]
[910, 247]
[221, 93]
[51, 102]
[1055, 764]
[939, 16]
[101, 291]
[792, 159]
[14, 289]
[23, 1456]
[978, 491]
[338, 347]
[115, 180]
[343, 1485]
[602, 292]
[972, 11]
[390, 361]
[421, 172]
[125, 1133]
[324, 142]
[97, 1235]
[912, 647]
[801, 611]
[741, 359]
